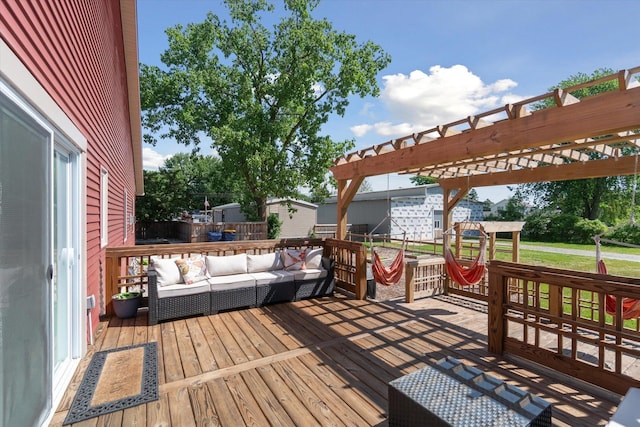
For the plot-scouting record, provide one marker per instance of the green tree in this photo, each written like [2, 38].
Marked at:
[164, 197]
[261, 95]
[513, 210]
[202, 176]
[422, 180]
[182, 184]
[607, 198]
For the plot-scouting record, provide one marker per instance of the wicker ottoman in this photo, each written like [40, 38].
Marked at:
[452, 394]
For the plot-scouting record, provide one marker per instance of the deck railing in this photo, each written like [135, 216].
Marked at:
[424, 277]
[557, 318]
[126, 266]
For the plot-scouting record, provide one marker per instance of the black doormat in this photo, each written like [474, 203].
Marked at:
[115, 380]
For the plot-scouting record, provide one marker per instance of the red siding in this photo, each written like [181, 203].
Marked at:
[75, 50]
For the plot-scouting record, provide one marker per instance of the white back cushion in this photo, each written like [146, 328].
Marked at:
[226, 265]
[313, 259]
[167, 271]
[264, 262]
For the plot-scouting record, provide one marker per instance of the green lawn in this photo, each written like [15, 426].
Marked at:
[568, 262]
[578, 262]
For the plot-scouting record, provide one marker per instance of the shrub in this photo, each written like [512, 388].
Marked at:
[628, 233]
[585, 229]
[536, 227]
[274, 226]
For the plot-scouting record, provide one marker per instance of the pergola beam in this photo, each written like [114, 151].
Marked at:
[578, 170]
[605, 114]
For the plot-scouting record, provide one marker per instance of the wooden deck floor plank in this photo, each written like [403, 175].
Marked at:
[219, 352]
[155, 335]
[239, 331]
[188, 356]
[236, 353]
[366, 384]
[304, 327]
[369, 413]
[270, 340]
[141, 331]
[204, 412]
[250, 330]
[135, 416]
[363, 367]
[200, 343]
[296, 410]
[323, 361]
[276, 329]
[270, 405]
[333, 321]
[300, 318]
[365, 316]
[170, 353]
[292, 327]
[320, 410]
[158, 414]
[246, 402]
[392, 356]
[127, 331]
[112, 335]
[327, 395]
[226, 408]
[180, 408]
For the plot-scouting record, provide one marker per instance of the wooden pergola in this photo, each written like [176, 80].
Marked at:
[592, 137]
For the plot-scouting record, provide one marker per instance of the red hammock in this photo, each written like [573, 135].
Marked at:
[466, 276]
[392, 274]
[630, 306]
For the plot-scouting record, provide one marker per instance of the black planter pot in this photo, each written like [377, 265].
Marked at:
[126, 308]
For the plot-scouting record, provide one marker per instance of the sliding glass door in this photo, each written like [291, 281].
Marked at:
[25, 266]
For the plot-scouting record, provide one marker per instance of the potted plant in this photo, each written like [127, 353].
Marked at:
[126, 304]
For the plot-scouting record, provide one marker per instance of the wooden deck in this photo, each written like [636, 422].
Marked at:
[316, 362]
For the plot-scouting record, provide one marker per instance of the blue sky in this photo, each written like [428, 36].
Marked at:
[450, 58]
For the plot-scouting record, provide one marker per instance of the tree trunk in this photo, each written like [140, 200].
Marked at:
[261, 207]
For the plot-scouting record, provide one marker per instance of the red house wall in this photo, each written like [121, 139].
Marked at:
[75, 50]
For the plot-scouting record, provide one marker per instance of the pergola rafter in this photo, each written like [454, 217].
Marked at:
[572, 139]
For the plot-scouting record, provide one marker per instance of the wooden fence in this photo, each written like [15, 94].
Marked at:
[194, 232]
[126, 267]
[557, 318]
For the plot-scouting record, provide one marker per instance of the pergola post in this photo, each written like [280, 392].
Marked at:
[346, 191]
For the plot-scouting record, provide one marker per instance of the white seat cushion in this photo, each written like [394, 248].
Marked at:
[271, 277]
[234, 281]
[182, 289]
[310, 274]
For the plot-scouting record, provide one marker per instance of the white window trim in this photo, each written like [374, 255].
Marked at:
[104, 207]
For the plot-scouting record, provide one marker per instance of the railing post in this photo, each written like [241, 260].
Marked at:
[496, 323]
[361, 273]
[410, 268]
[111, 280]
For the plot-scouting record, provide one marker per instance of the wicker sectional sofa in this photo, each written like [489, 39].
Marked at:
[179, 287]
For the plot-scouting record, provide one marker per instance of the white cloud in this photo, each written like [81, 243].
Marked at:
[152, 160]
[420, 100]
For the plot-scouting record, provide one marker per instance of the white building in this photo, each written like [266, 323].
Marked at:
[299, 223]
[415, 210]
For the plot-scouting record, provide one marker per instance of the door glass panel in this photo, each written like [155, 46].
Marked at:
[63, 260]
[25, 248]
